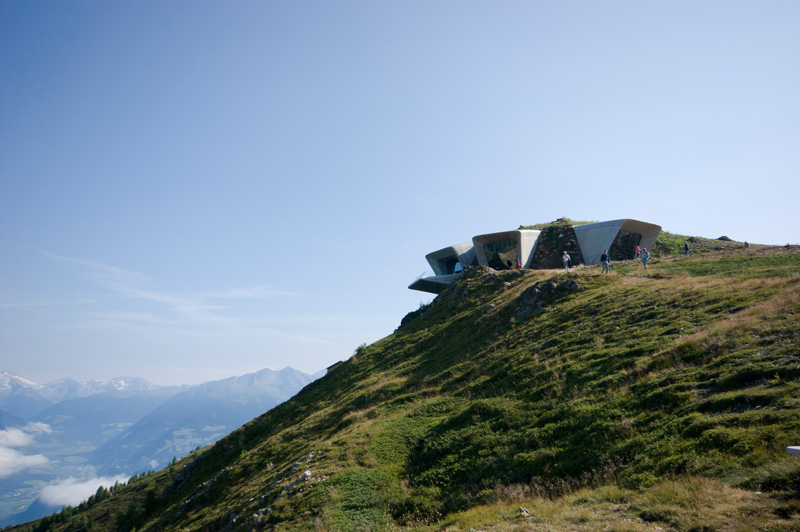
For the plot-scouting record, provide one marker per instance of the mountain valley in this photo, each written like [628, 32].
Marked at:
[107, 432]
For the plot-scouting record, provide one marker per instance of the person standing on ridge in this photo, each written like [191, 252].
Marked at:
[686, 247]
[566, 259]
[645, 257]
[604, 260]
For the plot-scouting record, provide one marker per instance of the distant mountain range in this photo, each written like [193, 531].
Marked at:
[24, 398]
[70, 389]
[21, 397]
[123, 426]
[194, 418]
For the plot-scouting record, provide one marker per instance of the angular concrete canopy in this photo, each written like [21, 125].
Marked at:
[434, 284]
[525, 240]
[444, 261]
[593, 239]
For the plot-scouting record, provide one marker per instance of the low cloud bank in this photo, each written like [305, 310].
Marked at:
[71, 492]
[13, 461]
[23, 437]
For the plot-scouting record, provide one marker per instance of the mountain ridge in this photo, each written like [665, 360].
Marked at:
[525, 400]
[25, 398]
[228, 403]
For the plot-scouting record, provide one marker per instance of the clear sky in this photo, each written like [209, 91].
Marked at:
[195, 190]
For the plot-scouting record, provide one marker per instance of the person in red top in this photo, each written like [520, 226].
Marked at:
[638, 252]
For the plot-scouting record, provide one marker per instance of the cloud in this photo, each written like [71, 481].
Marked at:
[254, 292]
[133, 317]
[26, 308]
[71, 491]
[13, 461]
[33, 306]
[98, 268]
[38, 428]
[16, 437]
[193, 308]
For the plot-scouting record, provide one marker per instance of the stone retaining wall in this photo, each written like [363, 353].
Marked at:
[553, 242]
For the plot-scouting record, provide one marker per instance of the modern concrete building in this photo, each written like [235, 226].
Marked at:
[502, 250]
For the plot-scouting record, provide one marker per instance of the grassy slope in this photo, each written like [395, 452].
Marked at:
[650, 398]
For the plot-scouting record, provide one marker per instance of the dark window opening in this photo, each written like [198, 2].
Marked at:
[501, 255]
[624, 246]
[450, 265]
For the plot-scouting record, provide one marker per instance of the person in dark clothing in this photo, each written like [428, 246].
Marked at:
[604, 260]
[686, 247]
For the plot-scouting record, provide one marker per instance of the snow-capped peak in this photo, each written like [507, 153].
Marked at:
[10, 382]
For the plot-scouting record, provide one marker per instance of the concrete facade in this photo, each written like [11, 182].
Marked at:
[434, 284]
[525, 240]
[498, 249]
[446, 261]
[593, 239]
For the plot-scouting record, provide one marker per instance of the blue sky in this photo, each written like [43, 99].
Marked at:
[194, 190]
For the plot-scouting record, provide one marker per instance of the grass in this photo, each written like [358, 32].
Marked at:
[672, 244]
[645, 398]
[561, 222]
[684, 504]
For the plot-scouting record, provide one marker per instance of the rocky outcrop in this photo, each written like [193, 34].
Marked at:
[411, 316]
[553, 242]
[535, 298]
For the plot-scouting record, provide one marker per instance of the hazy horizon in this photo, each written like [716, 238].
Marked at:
[104, 381]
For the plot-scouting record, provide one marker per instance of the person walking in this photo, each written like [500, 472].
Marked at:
[604, 260]
[645, 257]
[686, 247]
[566, 259]
[638, 252]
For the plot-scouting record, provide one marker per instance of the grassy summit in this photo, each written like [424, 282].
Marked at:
[532, 400]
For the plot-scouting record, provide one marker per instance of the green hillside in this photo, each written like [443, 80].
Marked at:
[659, 399]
